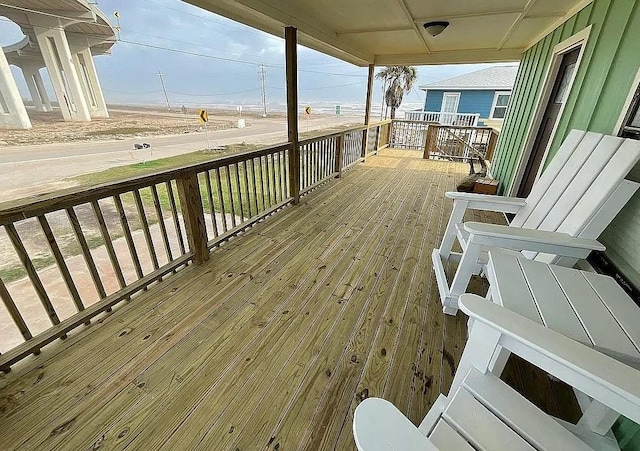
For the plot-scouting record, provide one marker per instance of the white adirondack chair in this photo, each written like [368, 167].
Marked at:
[574, 200]
[482, 412]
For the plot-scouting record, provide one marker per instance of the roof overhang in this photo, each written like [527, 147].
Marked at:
[389, 32]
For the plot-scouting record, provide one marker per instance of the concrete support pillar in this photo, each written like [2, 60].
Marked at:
[42, 90]
[13, 114]
[62, 71]
[36, 88]
[83, 60]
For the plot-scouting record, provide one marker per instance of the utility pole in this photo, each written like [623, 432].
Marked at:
[160, 74]
[263, 78]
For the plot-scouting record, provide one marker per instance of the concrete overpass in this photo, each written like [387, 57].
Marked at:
[63, 36]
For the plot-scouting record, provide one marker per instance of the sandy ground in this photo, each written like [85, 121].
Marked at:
[122, 123]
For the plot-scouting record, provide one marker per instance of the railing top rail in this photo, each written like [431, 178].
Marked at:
[410, 121]
[355, 128]
[464, 127]
[29, 207]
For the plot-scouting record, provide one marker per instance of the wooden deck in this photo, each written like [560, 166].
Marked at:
[273, 342]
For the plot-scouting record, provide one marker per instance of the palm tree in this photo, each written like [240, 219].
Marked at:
[398, 80]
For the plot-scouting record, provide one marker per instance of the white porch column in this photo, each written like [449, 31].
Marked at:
[64, 77]
[83, 60]
[30, 75]
[13, 114]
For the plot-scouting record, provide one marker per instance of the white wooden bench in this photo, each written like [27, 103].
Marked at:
[577, 196]
[482, 412]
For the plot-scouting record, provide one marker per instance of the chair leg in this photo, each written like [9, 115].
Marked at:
[478, 352]
[598, 418]
[499, 360]
[459, 207]
[463, 274]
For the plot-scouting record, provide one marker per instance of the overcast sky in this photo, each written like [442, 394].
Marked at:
[224, 66]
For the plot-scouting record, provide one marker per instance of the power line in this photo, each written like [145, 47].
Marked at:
[188, 43]
[214, 95]
[186, 52]
[234, 60]
[320, 87]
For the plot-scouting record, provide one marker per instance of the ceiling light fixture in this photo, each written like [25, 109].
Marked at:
[435, 28]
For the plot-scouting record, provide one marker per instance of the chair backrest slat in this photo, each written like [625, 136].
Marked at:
[588, 176]
[542, 185]
[581, 178]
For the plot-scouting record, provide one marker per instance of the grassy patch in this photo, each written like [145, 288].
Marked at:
[224, 198]
[123, 172]
[16, 272]
[121, 131]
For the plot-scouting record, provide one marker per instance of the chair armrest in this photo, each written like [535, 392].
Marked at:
[518, 238]
[612, 383]
[488, 202]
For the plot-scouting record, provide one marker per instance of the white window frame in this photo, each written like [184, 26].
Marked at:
[495, 102]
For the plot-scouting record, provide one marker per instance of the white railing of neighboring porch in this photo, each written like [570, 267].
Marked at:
[461, 119]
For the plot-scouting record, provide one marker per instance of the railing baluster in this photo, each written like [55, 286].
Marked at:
[255, 182]
[320, 170]
[307, 167]
[236, 168]
[176, 220]
[212, 210]
[314, 164]
[145, 228]
[14, 313]
[268, 178]
[339, 155]
[32, 273]
[285, 170]
[273, 178]
[221, 197]
[62, 265]
[163, 226]
[231, 199]
[108, 244]
[245, 171]
[88, 258]
[282, 159]
[128, 237]
[262, 184]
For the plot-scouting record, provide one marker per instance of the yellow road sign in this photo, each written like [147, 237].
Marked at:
[204, 116]
[307, 110]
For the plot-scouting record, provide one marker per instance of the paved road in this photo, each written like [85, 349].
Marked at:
[35, 169]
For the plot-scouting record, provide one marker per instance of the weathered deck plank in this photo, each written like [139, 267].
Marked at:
[273, 341]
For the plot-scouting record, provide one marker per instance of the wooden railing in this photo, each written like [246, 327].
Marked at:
[409, 134]
[462, 119]
[72, 255]
[458, 143]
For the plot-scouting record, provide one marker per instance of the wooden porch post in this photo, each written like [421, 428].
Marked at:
[291, 56]
[367, 111]
[193, 215]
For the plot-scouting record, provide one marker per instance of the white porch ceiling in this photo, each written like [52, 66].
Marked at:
[385, 32]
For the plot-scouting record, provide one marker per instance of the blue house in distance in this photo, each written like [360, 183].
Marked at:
[478, 98]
